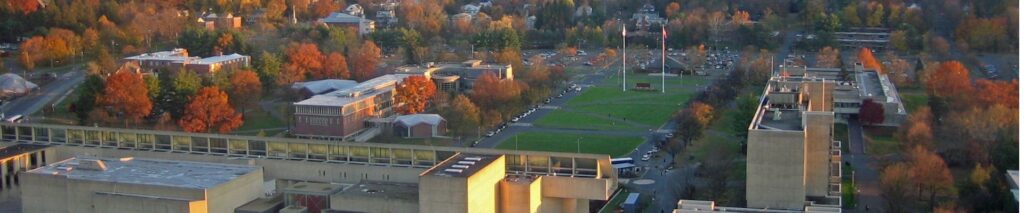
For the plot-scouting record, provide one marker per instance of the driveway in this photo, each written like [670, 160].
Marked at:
[26, 105]
[866, 172]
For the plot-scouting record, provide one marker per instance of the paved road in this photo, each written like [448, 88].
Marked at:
[866, 172]
[26, 105]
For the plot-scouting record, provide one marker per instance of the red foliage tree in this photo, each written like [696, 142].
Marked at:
[246, 88]
[871, 113]
[413, 93]
[869, 61]
[125, 96]
[364, 61]
[302, 58]
[949, 79]
[335, 66]
[23, 6]
[997, 92]
[491, 93]
[209, 110]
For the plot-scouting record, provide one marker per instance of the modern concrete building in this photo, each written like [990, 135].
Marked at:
[857, 37]
[457, 77]
[357, 23]
[862, 84]
[18, 158]
[310, 88]
[87, 184]
[792, 159]
[342, 113]
[178, 58]
[419, 126]
[389, 173]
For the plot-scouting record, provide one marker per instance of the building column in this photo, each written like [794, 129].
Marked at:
[3, 175]
[39, 159]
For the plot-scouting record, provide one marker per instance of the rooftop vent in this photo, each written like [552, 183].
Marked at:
[474, 158]
[467, 162]
[92, 164]
[453, 170]
[460, 166]
[777, 114]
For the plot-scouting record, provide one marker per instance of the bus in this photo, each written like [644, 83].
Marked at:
[14, 119]
[622, 161]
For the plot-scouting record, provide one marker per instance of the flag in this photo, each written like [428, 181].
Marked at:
[664, 35]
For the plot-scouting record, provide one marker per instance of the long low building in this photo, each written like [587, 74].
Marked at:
[862, 84]
[457, 76]
[86, 184]
[178, 59]
[343, 111]
[563, 182]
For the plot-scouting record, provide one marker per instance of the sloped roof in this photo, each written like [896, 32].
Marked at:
[411, 120]
[12, 83]
[323, 86]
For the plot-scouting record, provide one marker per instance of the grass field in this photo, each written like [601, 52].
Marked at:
[562, 142]
[613, 204]
[604, 106]
[914, 101]
[881, 142]
[258, 119]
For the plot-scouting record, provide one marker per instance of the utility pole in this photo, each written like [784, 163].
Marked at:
[664, 36]
[623, 57]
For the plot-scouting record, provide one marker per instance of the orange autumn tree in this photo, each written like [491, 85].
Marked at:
[335, 67]
[302, 58]
[125, 96]
[246, 89]
[413, 93]
[997, 92]
[869, 61]
[949, 79]
[209, 110]
[364, 61]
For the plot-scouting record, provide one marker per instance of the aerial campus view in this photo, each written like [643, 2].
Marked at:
[303, 106]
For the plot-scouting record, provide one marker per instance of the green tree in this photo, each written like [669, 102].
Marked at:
[463, 116]
[850, 16]
[268, 66]
[87, 93]
[152, 85]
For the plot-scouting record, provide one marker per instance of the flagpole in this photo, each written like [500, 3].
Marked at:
[623, 57]
[664, 36]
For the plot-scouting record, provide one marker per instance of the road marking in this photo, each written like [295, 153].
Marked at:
[521, 124]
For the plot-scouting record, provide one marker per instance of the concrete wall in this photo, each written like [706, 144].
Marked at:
[443, 194]
[128, 203]
[576, 188]
[818, 138]
[57, 194]
[228, 196]
[484, 188]
[372, 204]
[775, 169]
[272, 169]
[521, 196]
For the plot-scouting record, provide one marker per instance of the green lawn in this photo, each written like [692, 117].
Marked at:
[563, 142]
[914, 101]
[841, 134]
[613, 204]
[653, 115]
[257, 119]
[562, 118]
[881, 143]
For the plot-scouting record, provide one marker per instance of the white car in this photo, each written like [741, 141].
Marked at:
[491, 133]
[516, 119]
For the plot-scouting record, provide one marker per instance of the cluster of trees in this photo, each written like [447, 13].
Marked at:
[968, 125]
[56, 47]
[130, 98]
[305, 61]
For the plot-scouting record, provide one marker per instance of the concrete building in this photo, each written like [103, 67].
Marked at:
[357, 23]
[18, 158]
[342, 113]
[857, 37]
[217, 63]
[457, 76]
[791, 158]
[646, 17]
[178, 59]
[308, 89]
[419, 126]
[863, 83]
[138, 185]
[213, 21]
[702, 206]
[391, 173]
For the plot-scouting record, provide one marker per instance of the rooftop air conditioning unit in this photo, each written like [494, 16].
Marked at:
[777, 115]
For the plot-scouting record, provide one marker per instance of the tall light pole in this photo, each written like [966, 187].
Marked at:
[623, 57]
[664, 36]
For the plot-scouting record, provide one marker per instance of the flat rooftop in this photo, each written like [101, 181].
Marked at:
[18, 149]
[146, 171]
[382, 190]
[360, 91]
[313, 188]
[870, 84]
[789, 119]
[461, 165]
